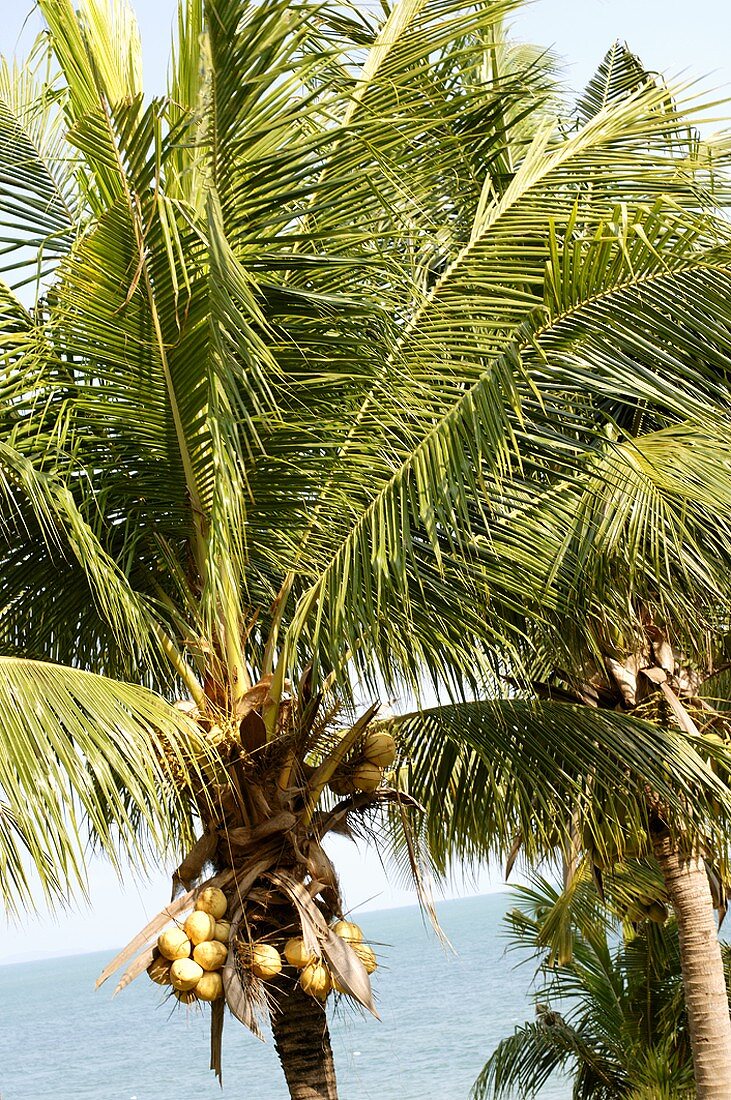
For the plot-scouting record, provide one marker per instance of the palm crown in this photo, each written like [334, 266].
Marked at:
[305, 337]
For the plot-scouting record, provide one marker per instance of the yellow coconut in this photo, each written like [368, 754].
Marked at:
[315, 980]
[159, 970]
[210, 954]
[213, 901]
[367, 778]
[210, 986]
[266, 961]
[185, 974]
[297, 954]
[347, 931]
[222, 931]
[379, 749]
[658, 912]
[186, 996]
[367, 956]
[199, 927]
[174, 944]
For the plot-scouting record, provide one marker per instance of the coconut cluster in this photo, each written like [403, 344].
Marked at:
[190, 957]
[365, 771]
[316, 978]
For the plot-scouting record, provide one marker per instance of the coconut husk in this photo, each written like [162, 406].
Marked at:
[191, 867]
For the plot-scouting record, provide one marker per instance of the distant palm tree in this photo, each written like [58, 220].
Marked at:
[294, 341]
[612, 1018]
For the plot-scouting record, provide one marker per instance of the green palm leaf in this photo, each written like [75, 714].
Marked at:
[84, 757]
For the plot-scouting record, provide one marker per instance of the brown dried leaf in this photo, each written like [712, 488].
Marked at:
[663, 654]
[254, 697]
[655, 674]
[625, 677]
[244, 838]
[217, 1018]
[349, 970]
[684, 719]
[141, 963]
[252, 731]
[189, 870]
[513, 855]
[156, 925]
[314, 925]
[237, 994]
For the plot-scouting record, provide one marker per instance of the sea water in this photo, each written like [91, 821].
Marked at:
[442, 1014]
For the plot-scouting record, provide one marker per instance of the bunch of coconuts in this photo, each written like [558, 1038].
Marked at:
[315, 976]
[364, 772]
[190, 957]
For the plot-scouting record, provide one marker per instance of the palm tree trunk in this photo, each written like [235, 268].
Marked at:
[302, 1039]
[703, 976]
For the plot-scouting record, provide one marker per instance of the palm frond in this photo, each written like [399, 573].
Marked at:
[492, 770]
[85, 757]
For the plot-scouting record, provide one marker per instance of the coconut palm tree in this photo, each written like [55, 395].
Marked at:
[282, 353]
[612, 1017]
[608, 641]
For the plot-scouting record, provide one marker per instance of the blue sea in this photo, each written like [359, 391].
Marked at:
[441, 1016]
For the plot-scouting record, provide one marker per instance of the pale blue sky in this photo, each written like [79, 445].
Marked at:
[670, 36]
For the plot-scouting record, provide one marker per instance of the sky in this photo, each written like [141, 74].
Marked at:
[678, 39]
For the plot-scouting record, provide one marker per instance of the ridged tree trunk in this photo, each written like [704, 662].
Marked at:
[703, 976]
[302, 1039]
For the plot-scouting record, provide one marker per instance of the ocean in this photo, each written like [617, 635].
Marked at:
[441, 1016]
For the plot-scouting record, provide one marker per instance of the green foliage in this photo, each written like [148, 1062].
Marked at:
[612, 1018]
[333, 358]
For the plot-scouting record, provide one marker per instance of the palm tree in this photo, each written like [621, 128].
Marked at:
[286, 368]
[612, 1016]
[609, 641]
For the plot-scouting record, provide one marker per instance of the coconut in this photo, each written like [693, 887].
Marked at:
[213, 901]
[658, 912]
[199, 927]
[185, 974]
[315, 980]
[297, 954]
[347, 931]
[341, 784]
[266, 961]
[211, 954]
[186, 996]
[222, 931]
[159, 970]
[379, 749]
[367, 778]
[367, 956]
[174, 944]
[337, 986]
[210, 986]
